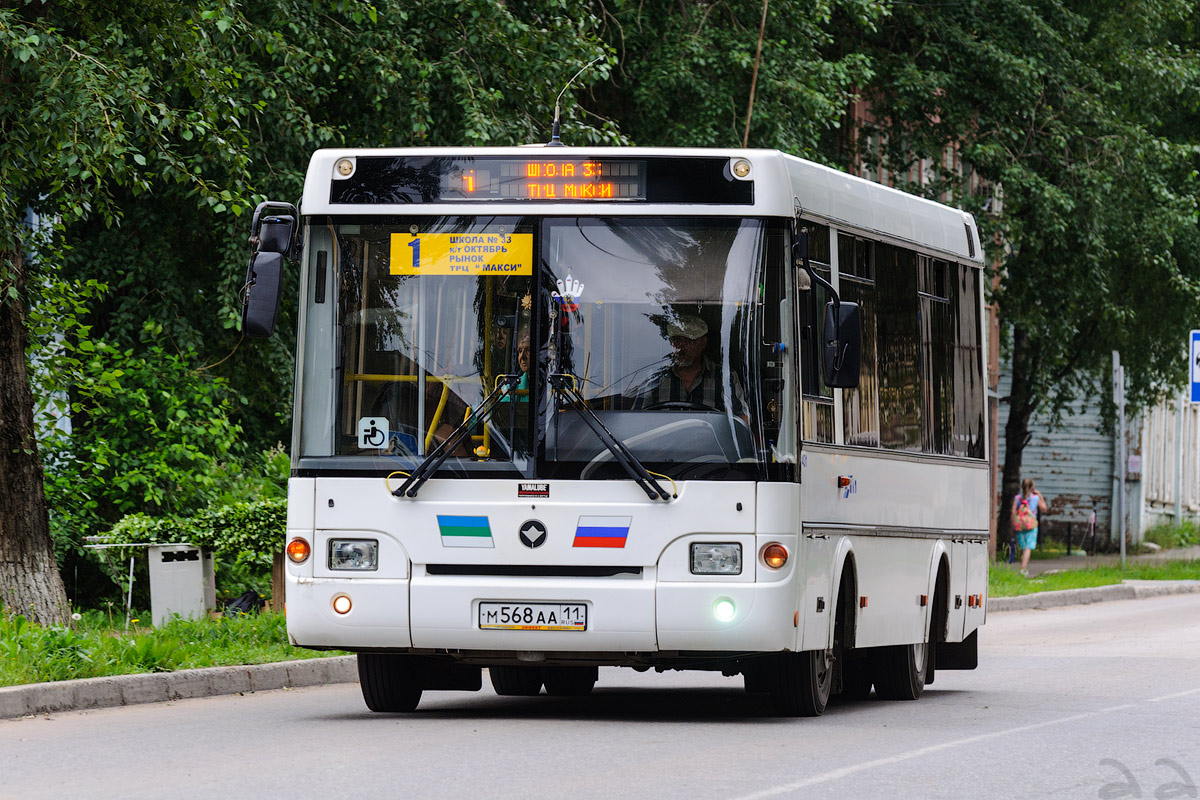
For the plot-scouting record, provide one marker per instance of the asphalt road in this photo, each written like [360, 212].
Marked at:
[1078, 702]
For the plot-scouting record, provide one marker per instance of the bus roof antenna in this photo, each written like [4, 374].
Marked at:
[556, 128]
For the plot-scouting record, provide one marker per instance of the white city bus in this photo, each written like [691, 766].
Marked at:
[562, 408]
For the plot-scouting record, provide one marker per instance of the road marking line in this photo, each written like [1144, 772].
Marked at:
[1172, 696]
[833, 775]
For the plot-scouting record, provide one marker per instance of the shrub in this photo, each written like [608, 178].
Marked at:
[243, 537]
[1167, 535]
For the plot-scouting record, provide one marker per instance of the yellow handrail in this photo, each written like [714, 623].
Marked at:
[437, 415]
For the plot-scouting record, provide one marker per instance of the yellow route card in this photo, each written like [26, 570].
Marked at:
[462, 254]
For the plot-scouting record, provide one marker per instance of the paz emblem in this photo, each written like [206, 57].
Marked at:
[533, 533]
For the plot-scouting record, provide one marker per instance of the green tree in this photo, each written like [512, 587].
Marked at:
[143, 132]
[684, 72]
[82, 113]
[1062, 105]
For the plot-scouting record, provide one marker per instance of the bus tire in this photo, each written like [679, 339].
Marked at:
[900, 671]
[516, 681]
[856, 676]
[569, 681]
[390, 681]
[801, 683]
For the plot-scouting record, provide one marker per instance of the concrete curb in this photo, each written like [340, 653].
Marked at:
[127, 690]
[1126, 590]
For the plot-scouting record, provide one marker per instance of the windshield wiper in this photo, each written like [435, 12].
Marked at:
[564, 385]
[438, 455]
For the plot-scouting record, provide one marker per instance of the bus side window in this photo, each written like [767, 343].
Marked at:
[817, 408]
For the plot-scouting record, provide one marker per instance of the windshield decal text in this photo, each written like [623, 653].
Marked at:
[462, 254]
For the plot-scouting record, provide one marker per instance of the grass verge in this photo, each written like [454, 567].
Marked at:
[93, 649]
[1003, 581]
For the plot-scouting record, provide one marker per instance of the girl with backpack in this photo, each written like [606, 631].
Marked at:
[1025, 511]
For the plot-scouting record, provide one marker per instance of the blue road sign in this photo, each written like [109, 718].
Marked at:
[1194, 365]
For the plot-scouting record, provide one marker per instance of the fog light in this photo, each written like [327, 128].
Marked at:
[775, 555]
[724, 609]
[356, 554]
[716, 559]
[298, 551]
[341, 604]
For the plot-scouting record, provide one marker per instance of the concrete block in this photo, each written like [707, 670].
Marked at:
[98, 692]
[47, 697]
[148, 688]
[1162, 588]
[14, 702]
[187, 683]
[1067, 597]
[321, 671]
[231, 680]
[268, 676]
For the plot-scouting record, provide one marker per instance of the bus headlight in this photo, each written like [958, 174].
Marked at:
[716, 559]
[355, 554]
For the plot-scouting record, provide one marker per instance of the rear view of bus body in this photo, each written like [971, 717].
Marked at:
[682, 409]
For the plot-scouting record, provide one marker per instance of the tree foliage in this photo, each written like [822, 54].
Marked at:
[684, 72]
[1065, 106]
[143, 133]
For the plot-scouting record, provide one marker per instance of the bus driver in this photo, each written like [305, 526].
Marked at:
[692, 379]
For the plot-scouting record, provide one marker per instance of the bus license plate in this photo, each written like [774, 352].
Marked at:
[533, 616]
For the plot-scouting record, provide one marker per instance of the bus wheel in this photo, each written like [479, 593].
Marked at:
[569, 681]
[801, 682]
[389, 681]
[900, 671]
[516, 681]
[856, 677]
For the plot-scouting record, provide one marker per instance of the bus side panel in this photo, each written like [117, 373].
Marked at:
[894, 491]
[818, 595]
[977, 584]
[957, 601]
[893, 573]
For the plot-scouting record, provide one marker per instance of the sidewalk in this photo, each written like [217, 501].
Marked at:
[1038, 566]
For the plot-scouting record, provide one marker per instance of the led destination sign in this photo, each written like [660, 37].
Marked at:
[699, 180]
[519, 179]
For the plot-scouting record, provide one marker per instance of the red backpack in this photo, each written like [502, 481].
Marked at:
[1026, 519]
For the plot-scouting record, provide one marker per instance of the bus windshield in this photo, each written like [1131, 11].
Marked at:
[671, 333]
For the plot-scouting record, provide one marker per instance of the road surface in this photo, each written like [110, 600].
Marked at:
[1079, 702]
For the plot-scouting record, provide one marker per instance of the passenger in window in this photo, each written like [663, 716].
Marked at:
[524, 359]
[692, 380]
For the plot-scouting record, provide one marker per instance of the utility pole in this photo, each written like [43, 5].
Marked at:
[1119, 401]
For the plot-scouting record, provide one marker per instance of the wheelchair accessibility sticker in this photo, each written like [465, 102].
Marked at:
[372, 433]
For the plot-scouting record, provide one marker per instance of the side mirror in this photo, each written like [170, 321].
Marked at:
[842, 348]
[271, 240]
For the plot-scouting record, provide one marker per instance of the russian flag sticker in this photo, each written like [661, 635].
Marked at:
[602, 531]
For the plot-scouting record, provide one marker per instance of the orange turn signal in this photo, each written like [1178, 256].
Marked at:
[775, 555]
[298, 551]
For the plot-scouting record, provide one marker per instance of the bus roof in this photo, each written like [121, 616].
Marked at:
[779, 181]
